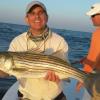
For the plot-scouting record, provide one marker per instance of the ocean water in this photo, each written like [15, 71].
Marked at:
[78, 47]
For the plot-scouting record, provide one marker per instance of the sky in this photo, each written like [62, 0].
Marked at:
[63, 14]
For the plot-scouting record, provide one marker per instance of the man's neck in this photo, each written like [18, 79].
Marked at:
[37, 32]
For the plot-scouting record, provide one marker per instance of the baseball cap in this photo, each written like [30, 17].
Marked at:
[35, 3]
[95, 9]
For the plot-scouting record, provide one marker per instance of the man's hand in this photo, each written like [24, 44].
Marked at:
[3, 74]
[79, 85]
[51, 76]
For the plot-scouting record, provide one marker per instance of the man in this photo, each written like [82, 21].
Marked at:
[39, 38]
[92, 61]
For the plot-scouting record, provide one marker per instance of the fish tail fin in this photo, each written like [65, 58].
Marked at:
[92, 83]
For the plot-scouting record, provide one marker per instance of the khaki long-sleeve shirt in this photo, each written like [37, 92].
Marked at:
[35, 88]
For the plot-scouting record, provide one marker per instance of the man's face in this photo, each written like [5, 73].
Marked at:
[37, 19]
[96, 20]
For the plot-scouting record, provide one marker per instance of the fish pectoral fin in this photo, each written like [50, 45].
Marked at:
[68, 80]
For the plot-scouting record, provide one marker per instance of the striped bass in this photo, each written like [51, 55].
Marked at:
[33, 65]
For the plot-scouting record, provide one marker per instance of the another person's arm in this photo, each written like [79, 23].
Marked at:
[89, 63]
[93, 53]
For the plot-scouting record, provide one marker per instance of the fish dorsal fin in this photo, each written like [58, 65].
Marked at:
[34, 52]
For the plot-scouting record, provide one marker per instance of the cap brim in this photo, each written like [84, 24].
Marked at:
[93, 12]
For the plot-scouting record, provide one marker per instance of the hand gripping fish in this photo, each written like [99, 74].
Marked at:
[34, 65]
